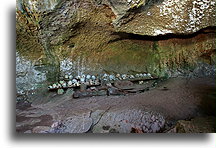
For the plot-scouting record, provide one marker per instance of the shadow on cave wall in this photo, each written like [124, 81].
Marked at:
[123, 35]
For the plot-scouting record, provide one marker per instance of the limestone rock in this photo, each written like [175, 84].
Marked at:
[40, 129]
[121, 7]
[74, 124]
[78, 125]
[196, 125]
[117, 36]
[127, 121]
[28, 132]
[178, 17]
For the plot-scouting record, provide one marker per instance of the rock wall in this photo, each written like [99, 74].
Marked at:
[161, 37]
[169, 16]
[29, 75]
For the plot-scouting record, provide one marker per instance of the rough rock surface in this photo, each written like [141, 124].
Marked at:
[176, 99]
[161, 37]
[29, 75]
[169, 16]
[116, 36]
[125, 121]
[196, 125]
[73, 124]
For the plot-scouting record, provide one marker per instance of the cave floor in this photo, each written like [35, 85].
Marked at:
[175, 99]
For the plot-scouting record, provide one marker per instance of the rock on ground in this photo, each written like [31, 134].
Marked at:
[195, 125]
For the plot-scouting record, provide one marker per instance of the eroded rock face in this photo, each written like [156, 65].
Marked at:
[37, 5]
[121, 7]
[168, 16]
[28, 74]
[96, 36]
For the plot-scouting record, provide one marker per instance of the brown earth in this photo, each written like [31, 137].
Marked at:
[175, 99]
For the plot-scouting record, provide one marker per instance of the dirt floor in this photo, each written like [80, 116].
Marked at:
[175, 99]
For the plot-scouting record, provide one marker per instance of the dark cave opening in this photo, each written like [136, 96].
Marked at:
[131, 36]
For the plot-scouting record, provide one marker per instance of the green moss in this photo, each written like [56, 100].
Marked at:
[155, 46]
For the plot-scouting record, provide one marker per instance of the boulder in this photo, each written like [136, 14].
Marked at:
[195, 125]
